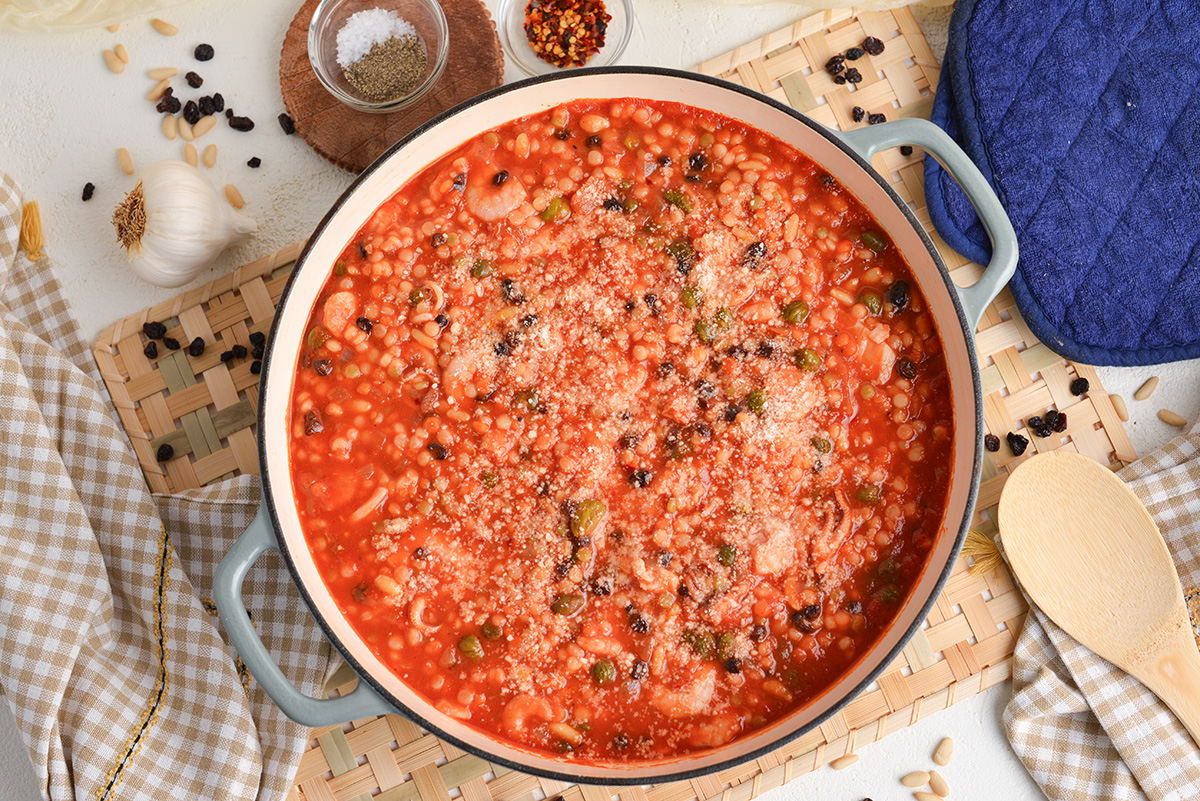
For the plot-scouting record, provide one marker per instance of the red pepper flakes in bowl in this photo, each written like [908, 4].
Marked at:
[566, 33]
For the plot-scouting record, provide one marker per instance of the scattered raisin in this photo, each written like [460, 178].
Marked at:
[698, 162]
[1060, 423]
[806, 620]
[612, 204]
[258, 338]
[639, 624]
[602, 586]
[286, 124]
[228, 113]
[899, 296]
[853, 75]
[906, 368]
[875, 119]
[834, 61]
[206, 106]
[562, 134]
[168, 104]
[227, 356]
[321, 366]
[665, 369]
[164, 453]
[242, 124]
[438, 450]
[151, 350]
[256, 352]
[1017, 443]
[218, 102]
[991, 442]
[731, 412]
[154, 330]
[193, 80]
[621, 741]
[364, 325]
[459, 182]
[754, 254]
[640, 670]
[313, 423]
[420, 552]
[191, 112]
[640, 478]
[88, 190]
[664, 160]
[501, 348]
[442, 320]
[905, 150]
[254, 163]
[203, 52]
[255, 367]
[196, 348]
[733, 664]
[239, 351]
[855, 53]
[758, 632]
[836, 68]
[438, 239]
[171, 343]
[511, 293]
[593, 141]
[858, 113]
[1079, 386]
[499, 178]
[665, 557]
[839, 79]
[629, 440]
[872, 45]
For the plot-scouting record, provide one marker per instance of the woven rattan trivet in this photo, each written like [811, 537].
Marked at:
[353, 139]
[966, 644]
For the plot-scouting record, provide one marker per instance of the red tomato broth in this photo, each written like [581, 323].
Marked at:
[631, 451]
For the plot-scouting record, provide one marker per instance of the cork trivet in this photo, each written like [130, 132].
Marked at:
[353, 139]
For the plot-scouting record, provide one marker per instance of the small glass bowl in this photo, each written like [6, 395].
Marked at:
[424, 15]
[511, 17]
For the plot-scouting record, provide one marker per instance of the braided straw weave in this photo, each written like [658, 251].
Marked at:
[965, 646]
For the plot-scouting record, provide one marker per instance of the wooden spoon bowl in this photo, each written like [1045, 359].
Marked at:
[1089, 554]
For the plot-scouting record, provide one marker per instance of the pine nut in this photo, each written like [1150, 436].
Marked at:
[923, 796]
[938, 784]
[185, 130]
[165, 28]
[189, 153]
[170, 127]
[116, 26]
[918, 778]
[122, 53]
[1146, 389]
[234, 196]
[944, 751]
[1170, 418]
[114, 63]
[843, 762]
[126, 161]
[210, 156]
[158, 91]
[158, 73]
[203, 126]
[1119, 404]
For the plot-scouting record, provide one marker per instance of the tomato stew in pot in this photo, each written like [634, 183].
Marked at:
[620, 431]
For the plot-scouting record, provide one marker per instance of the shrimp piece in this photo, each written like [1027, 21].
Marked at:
[604, 646]
[652, 579]
[834, 533]
[689, 700]
[492, 203]
[717, 731]
[340, 309]
[777, 550]
[877, 359]
[523, 711]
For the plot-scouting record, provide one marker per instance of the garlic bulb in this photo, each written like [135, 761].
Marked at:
[175, 223]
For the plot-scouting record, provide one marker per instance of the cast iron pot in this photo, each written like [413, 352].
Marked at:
[846, 157]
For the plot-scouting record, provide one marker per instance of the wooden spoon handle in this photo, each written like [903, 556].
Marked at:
[1174, 675]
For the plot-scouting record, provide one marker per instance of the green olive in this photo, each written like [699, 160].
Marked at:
[691, 296]
[705, 331]
[556, 210]
[489, 479]
[471, 647]
[821, 445]
[869, 494]
[795, 312]
[491, 631]
[604, 672]
[756, 401]
[679, 199]
[481, 268]
[528, 399]
[727, 555]
[874, 241]
[566, 605]
[723, 318]
[585, 516]
[726, 645]
[808, 360]
[872, 300]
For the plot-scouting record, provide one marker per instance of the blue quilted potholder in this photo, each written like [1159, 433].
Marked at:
[1085, 118]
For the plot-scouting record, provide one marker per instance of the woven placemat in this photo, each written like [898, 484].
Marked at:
[966, 644]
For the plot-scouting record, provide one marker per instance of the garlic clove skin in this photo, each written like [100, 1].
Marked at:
[175, 223]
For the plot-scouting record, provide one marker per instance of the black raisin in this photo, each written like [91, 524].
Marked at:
[630, 305]
[321, 366]
[218, 102]
[665, 369]
[802, 621]
[733, 664]
[286, 124]
[705, 391]
[171, 343]
[499, 178]
[313, 423]
[697, 161]
[191, 112]
[1034, 422]
[621, 741]
[206, 106]
[154, 330]
[612, 204]
[701, 429]
[853, 75]
[1017, 443]
[651, 303]
[839, 79]
[872, 45]
[257, 352]
[242, 124]
[1060, 423]
[193, 80]
[640, 478]
[151, 350]
[766, 348]
[460, 182]
[254, 163]
[511, 293]
[906, 368]
[258, 338]
[563, 569]
[875, 119]
[664, 160]
[420, 553]
[602, 586]
[502, 348]
[834, 61]
[836, 68]
[255, 367]
[991, 442]
[693, 177]
[593, 141]
[858, 113]
[683, 590]
[639, 624]
[562, 134]
[731, 412]
[754, 254]
[239, 351]
[229, 114]
[442, 320]
[196, 347]
[640, 670]
[164, 104]
[88, 190]
[203, 52]
[758, 632]
[855, 53]
[164, 453]
[1079, 386]
[905, 150]
[1051, 418]
[899, 296]
[529, 320]
[227, 356]
[628, 440]
[665, 557]
[439, 451]
[738, 352]
[438, 239]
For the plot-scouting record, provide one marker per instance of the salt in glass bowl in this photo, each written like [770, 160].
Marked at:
[510, 16]
[424, 15]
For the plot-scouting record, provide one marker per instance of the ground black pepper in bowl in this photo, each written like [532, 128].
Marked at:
[390, 70]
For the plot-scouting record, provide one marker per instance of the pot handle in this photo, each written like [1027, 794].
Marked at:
[227, 593]
[870, 140]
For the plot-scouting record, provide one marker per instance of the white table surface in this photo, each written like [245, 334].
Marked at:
[63, 116]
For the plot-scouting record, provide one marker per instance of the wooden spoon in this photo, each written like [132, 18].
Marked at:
[1089, 554]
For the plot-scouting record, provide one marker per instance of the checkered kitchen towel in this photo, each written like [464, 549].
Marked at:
[1086, 729]
[111, 655]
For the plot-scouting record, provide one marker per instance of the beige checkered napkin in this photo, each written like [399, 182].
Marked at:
[1085, 729]
[110, 653]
